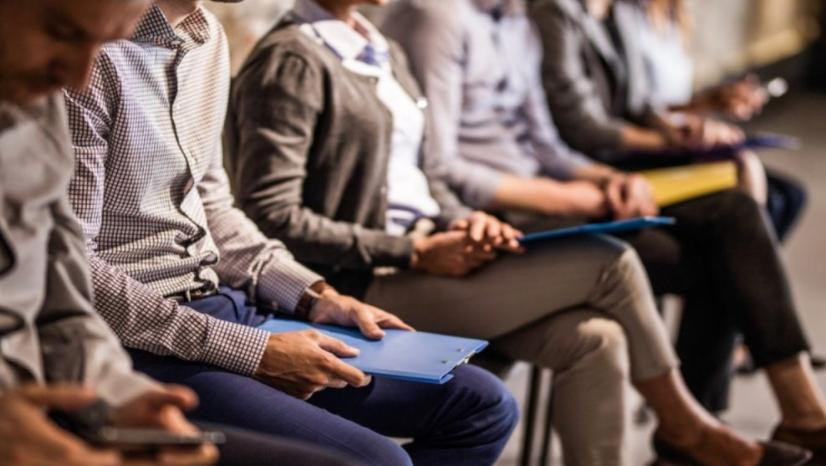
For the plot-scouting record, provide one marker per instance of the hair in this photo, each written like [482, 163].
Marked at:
[661, 13]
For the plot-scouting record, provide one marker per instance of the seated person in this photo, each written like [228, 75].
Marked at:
[326, 132]
[662, 38]
[478, 62]
[601, 86]
[57, 352]
[184, 278]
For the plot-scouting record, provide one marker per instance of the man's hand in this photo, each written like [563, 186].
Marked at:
[29, 437]
[303, 363]
[450, 253]
[162, 409]
[630, 195]
[489, 232]
[338, 309]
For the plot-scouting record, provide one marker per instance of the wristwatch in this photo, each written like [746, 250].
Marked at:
[311, 295]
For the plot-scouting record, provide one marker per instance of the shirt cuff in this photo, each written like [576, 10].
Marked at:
[284, 282]
[235, 347]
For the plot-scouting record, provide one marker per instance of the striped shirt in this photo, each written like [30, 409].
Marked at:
[154, 200]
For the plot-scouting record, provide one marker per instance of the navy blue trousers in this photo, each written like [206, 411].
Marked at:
[466, 421]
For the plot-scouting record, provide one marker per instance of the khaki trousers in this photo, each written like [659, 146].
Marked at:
[582, 307]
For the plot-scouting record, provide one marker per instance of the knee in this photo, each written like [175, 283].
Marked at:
[489, 404]
[736, 208]
[603, 349]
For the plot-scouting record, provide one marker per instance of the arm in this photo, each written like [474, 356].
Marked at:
[435, 47]
[141, 317]
[276, 105]
[71, 327]
[572, 95]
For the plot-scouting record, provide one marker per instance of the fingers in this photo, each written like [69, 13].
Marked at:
[478, 223]
[335, 346]
[460, 225]
[388, 320]
[613, 192]
[64, 397]
[343, 371]
[202, 456]
[365, 320]
[175, 395]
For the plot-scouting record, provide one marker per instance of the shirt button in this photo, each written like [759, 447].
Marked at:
[422, 103]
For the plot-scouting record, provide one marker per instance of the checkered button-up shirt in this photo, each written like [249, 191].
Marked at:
[154, 200]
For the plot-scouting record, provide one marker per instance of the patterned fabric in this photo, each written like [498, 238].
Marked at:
[154, 200]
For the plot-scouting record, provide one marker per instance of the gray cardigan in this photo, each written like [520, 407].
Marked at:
[594, 75]
[309, 144]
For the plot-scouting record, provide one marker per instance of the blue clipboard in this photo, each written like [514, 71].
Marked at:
[411, 356]
[753, 141]
[620, 226]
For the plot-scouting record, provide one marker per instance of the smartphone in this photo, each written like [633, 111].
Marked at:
[90, 424]
[149, 440]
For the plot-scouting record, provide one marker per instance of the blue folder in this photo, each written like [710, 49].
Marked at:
[620, 226]
[754, 141]
[412, 356]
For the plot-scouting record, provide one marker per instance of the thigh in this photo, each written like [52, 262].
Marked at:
[415, 410]
[245, 448]
[243, 402]
[510, 292]
[561, 341]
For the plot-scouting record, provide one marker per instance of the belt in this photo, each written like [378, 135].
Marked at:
[192, 295]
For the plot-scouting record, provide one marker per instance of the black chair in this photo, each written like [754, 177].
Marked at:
[535, 389]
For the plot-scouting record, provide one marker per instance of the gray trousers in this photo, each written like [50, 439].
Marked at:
[582, 307]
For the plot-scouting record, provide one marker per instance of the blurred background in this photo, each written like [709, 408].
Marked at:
[728, 38]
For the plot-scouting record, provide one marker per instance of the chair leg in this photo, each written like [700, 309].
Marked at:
[534, 385]
[545, 456]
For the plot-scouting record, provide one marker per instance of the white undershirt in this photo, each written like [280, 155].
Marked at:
[408, 193]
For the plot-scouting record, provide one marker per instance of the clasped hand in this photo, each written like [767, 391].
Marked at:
[469, 244]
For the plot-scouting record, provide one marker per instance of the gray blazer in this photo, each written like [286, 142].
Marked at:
[51, 332]
[308, 145]
[594, 76]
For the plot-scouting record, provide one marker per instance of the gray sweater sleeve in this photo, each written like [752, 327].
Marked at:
[276, 104]
[578, 110]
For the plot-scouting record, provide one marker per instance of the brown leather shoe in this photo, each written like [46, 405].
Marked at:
[775, 453]
[814, 440]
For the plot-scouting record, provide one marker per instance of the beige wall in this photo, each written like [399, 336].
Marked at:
[733, 35]
[729, 35]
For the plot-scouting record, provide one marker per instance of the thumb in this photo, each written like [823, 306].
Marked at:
[175, 395]
[63, 397]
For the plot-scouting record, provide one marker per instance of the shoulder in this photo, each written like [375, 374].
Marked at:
[287, 44]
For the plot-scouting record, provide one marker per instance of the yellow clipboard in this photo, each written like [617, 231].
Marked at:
[676, 184]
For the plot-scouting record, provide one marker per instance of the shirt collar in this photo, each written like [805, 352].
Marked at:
[337, 35]
[504, 7]
[154, 28]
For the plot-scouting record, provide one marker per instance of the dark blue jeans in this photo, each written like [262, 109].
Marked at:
[466, 421]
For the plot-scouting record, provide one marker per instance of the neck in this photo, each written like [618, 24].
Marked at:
[598, 8]
[342, 10]
[176, 10]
